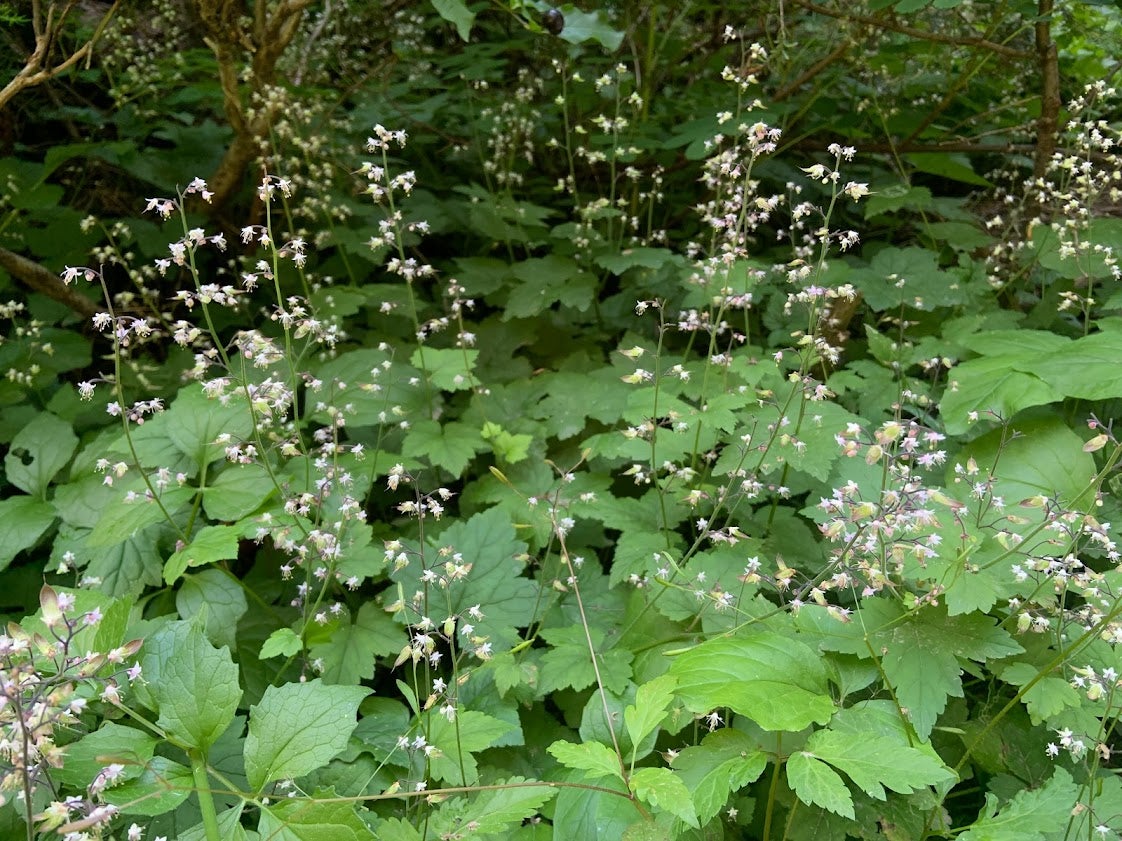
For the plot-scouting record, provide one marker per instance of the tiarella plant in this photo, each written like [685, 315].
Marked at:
[625, 422]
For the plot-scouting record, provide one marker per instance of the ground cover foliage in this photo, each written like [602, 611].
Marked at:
[646, 421]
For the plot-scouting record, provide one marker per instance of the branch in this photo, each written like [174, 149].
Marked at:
[1048, 125]
[33, 72]
[913, 32]
[43, 280]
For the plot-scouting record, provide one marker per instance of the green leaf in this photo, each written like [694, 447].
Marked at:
[496, 585]
[594, 759]
[38, 452]
[210, 545]
[908, 277]
[194, 421]
[877, 762]
[510, 449]
[778, 682]
[110, 743]
[817, 784]
[309, 820]
[229, 827]
[457, 741]
[1032, 815]
[617, 262]
[297, 728]
[991, 384]
[501, 810]
[124, 520]
[449, 369]
[568, 662]
[659, 787]
[724, 762]
[193, 684]
[456, 12]
[238, 491]
[23, 520]
[224, 599]
[283, 642]
[1048, 697]
[546, 281]
[651, 702]
[956, 167]
[450, 446]
[1045, 459]
[921, 659]
[161, 786]
[589, 26]
[349, 656]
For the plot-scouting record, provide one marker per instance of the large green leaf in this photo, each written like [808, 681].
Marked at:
[23, 520]
[193, 685]
[348, 657]
[309, 820]
[1032, 814]
[449, 446]
[724, 762]
[38, 452]
[224, 601]
[875, 763]
[495, 584]
[457, 740]
[110, 743]
[210, 545]
[592, 758]
[1046, 459]
[817, 784]
[297, 728]
[778, 682]
[661, 788]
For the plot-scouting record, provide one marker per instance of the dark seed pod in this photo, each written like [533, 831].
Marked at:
[553, 21]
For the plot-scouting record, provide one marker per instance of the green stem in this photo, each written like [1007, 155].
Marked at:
[206, 800]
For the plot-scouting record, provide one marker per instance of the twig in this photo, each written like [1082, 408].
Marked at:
[913, 32]
[43, 280]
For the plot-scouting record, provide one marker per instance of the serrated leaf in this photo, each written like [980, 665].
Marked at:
[38, 452]
[123, 520]
[594, 759]
[1032, 815]
[545, 281]
[496, 583]
[502, 809]
[312, 820]
[568, 662]
[817, 784]
[110, 743]
[660, 788]
[449, 369]
[349, 656]
[450, 446]
[724, 762]
[283, 642]
[651, 702]
[458, 740]
[877, 762]
[297, 728]
[193, 684]
[161, 786]
[194, 422]
[778, 682]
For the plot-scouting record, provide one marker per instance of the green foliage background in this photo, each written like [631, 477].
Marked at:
[621, 420]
